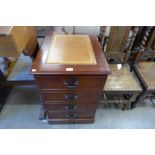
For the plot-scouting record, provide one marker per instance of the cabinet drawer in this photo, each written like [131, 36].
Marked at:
[71, 96]
[71, 107]
[70, 82]
[69, 115]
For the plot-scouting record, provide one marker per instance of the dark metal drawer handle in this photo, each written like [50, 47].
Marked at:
[70, 107]
[72, 84]
[71, 116]
[71, 97]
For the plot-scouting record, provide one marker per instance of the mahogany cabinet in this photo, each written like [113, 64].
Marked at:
[70, 71]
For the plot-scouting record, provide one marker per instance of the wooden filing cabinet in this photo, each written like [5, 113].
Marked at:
[70, 71]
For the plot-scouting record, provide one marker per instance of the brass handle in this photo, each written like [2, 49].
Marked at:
[70, 107]
[73, 84]
[71, 116]
[71, 97]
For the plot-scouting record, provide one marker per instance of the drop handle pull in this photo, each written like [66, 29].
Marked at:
[71, 116]
[73, 84]
[71, 97]
[71, 107]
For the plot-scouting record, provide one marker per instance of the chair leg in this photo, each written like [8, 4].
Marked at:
[124, 107]
[105, 98]
[133, 100]
[130, 100]
[128, 106]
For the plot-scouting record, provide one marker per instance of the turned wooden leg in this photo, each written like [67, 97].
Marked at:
[133, 100]
[139, 99]
[123, 106]
[125, 97]
[105, 99]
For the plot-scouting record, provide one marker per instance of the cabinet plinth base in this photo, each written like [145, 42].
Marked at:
[71, 121]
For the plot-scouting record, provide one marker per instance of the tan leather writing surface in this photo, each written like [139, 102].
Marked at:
[71, 49]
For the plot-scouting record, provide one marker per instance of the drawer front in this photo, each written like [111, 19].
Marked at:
[69, 115]
[71, 96]
[71, 107]
[70, 82]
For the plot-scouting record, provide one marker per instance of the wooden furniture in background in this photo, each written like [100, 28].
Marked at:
[15, 40]
[144, 65]
[121, 87]
[70, 90]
